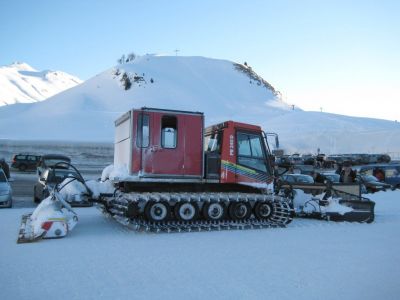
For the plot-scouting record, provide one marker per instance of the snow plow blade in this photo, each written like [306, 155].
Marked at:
[363, 211]
[332, 202]
[52, 218]
[26, 234]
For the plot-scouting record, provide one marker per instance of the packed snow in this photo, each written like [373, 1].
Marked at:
[20, 83]
[216, 87]
[310, 259]
[72, 190]
[304, 203]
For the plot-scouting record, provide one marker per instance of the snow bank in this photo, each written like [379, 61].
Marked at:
[75, 190]
[100, 187]
[114, 172]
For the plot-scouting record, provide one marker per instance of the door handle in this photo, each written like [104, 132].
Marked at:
[155, 148]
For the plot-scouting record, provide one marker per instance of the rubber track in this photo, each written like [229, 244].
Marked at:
[117, 206]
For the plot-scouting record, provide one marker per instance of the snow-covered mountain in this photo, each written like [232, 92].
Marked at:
[20, 83]
[221, 89]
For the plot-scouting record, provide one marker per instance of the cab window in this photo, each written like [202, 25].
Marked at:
[212, 143]
[143, 131]
[169, 132]
[250, 151]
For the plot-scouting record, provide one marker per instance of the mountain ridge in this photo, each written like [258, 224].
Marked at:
[21, 83]
[87, 112]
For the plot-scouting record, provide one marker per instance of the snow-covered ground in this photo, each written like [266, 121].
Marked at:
[309, 259]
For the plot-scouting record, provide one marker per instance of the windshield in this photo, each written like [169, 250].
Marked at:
[59, 175]
[250, 151]
[332, 177]
[305, 179]
[369, 178]
[52, 161]
[298, 178]
[288, 178]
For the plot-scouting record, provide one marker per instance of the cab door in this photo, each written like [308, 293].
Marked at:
[165, 154]
[168, 144]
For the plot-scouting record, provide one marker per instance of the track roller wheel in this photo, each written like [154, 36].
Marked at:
[157, 211]
[239, 210]
[186, 211]
[263, 210]
[214, 211]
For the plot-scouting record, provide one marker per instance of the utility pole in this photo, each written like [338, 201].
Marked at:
[176, 52]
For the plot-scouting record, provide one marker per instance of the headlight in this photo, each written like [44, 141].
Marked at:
[4, 192]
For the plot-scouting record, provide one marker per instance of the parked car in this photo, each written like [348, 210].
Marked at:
[388, 173]
[308, 159]
[304, 169]
[50, 160]
[25, 162]
[372, 184]
[4, 166]
[295, 159]
[297, 178]
[338, 159]
[379, 158]
[47, 181]
[5, 191]
[283, 162]
[331, 177]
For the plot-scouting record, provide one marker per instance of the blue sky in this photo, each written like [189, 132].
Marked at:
[341, 56]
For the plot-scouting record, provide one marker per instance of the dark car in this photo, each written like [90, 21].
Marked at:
[308, 159]
[283, 162]
[48, 180]
[295, 159]
[25, 162]
[379, 158]
[338, 159]
[372, 184]
[297, 178]
[50, 160]
[388, 173]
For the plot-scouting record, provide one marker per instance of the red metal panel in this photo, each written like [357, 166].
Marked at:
[185, 159]
[136, 151]
[228, 153]
[231, 171]
[193, 143]
[163, 161]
